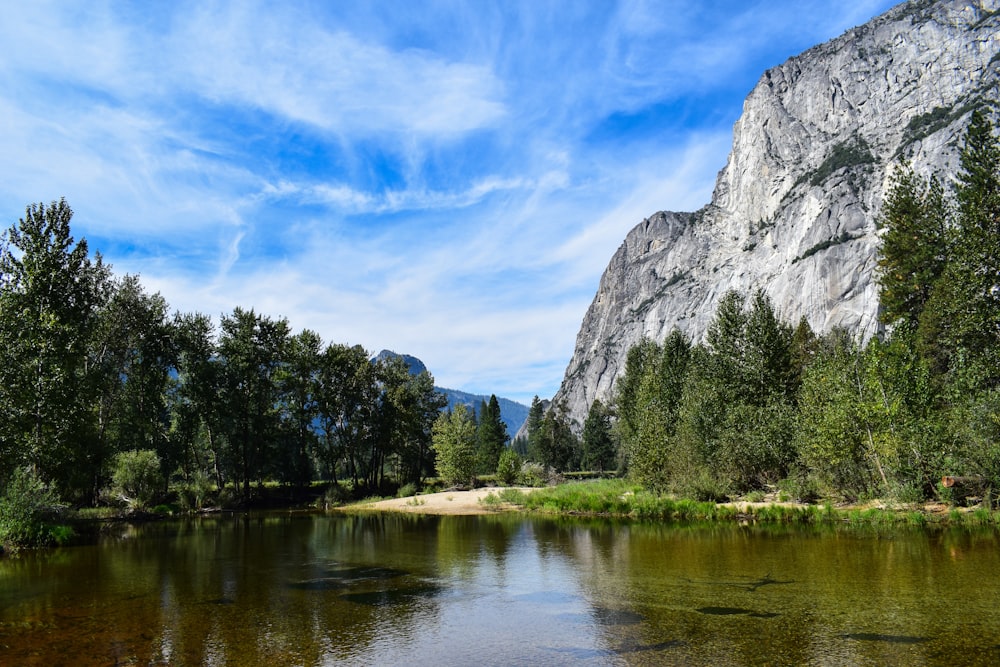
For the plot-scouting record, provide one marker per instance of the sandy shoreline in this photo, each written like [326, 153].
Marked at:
[459, 503]
[445, 502]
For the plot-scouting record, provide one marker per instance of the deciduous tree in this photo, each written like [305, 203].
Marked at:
[454, 442]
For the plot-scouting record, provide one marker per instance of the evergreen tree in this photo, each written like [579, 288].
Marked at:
[599, 451]
[647, 402]
[735, 423]
[914, 248]
[558, 447]
[491, 436]
[536, 414]
[970, 298]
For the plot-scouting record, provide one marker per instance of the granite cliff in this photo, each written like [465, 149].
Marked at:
[794, 209]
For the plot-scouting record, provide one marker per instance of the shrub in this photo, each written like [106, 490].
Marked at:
[533, 474]
[508, 467]
[29, 510]
[136, 477]
[193, 493]
[334, 496]
[407, 490]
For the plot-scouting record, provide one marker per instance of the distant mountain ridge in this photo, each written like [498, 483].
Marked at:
[512, 413]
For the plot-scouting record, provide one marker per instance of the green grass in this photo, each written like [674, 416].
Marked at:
[620, 498]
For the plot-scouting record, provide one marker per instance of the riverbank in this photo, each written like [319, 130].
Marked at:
[616, 498]
[458, 503]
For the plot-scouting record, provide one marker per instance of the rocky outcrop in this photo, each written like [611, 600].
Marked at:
[794, 209]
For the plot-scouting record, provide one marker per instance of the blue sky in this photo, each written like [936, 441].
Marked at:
[443, 179]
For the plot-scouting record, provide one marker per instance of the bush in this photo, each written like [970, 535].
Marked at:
[29, 511]
[334, 496]
[508, 467]
[193, 493]
[136, 477]
[533, 474]
[800, 487]
[407, 490]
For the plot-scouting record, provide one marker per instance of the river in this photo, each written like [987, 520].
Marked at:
[388, 589]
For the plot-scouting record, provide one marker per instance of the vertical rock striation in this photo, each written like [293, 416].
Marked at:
[794, 209]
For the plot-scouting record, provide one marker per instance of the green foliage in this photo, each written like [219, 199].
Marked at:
[926, 124]
[407, 490]
[843, 155]
[491, 436]
[971, 280]
[914, 247]
[508, 466]
[29, 513]
[136, 478]
[454, 442]
[532, 474]
[536, 414]
[556, 446]
[131, 355]
[252, 349]
[647, 402]
[195, 492]
[735, 419]
[842, 237]
[50, 294]
[599, 450]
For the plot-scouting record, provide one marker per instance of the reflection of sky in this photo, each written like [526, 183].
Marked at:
[522, 606]
[443, 179]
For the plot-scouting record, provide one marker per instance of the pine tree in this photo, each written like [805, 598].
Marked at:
[491, 436]
[599, 451]
[536, 414]
[976, 323]
[914, 248]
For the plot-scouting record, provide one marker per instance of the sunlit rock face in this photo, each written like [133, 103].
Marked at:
[794, 209]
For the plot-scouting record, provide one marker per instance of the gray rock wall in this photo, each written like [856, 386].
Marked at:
[794, 209]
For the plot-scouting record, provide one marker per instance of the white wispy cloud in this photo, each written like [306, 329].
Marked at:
[286, 64]
[445, 179]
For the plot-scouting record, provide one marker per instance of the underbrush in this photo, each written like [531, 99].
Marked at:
[31, 514]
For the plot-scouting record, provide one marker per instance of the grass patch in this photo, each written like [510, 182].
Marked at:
[598, 497]
[620, 498]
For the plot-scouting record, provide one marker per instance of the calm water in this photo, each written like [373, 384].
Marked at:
[307, 589]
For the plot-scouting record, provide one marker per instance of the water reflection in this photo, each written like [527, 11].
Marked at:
[402, 589]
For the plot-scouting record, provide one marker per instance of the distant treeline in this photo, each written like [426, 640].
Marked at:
[762, 403]
[96, 374]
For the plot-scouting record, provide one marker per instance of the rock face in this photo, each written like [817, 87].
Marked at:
[794, 209]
